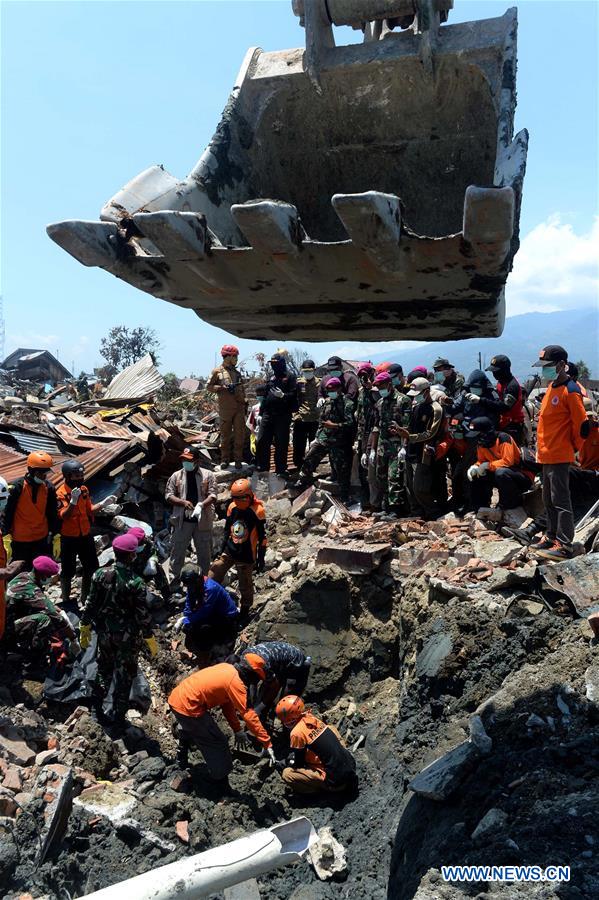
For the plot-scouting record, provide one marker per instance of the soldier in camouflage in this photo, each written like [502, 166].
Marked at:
[117, 610]
[370, 487]
[33, 621]
[392, 411]
[334, 433]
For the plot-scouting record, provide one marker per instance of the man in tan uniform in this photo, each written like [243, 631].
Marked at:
[191, 491]
[305, 420]
[226, 383]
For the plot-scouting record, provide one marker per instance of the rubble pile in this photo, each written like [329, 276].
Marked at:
[468, 696]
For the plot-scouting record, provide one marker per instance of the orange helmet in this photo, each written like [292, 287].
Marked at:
[241, 493]
[382, 367]
[290, 709]
[256, 663]
[39, 459]
[229, 350]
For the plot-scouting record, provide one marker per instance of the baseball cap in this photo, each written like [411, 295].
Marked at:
[552, 353]
[308, 364]
[191, 453]
[418, 386]
[442, 363]
[499, 362]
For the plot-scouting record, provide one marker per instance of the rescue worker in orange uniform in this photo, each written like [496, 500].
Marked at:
[511, 414]
[31, 514]
[224, 686]
[244, 541]
[318, 761]
[561, 431]
[226, 383]
[7, 571]
[499, 465]
[76, 512]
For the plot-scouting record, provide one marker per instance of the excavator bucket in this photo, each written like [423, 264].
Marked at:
[369, 191]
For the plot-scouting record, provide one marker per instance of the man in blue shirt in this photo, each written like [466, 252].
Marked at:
[210, 616]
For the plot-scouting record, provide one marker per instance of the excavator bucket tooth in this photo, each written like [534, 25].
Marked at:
[397, 177]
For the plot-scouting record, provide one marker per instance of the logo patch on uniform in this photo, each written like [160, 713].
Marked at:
[554, 401]
[239, 532]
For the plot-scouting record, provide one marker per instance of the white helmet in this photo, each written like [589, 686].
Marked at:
[4, 489]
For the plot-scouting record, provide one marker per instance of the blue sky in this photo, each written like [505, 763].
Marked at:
[93, 93]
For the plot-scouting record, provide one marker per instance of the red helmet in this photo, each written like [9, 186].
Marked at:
[39, 459]
[229, 350]
[290, 709]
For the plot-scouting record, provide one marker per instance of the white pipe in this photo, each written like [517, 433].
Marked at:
[212, 871]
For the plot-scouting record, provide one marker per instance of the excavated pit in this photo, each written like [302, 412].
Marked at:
[403, 666]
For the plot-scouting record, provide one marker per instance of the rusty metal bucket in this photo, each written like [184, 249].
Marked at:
[378, 199]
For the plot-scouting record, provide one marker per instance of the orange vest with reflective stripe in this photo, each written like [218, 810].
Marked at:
[2, 587]
[30, 522]
[79, 522]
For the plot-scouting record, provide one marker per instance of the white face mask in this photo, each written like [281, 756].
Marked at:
[308, 374]
[419, 399]
[3, 503]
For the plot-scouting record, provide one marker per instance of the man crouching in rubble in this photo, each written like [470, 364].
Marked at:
[225, 686]
[116, 608]
[282, 669]
[318, 761]
[210, 616]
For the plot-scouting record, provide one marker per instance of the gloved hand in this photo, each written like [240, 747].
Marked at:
[242, 740]
[473, 472]
[319, 402]
[85, 636]
[402, 454]
[151, 567]
[179, 623]
[260, 562]
[364, 460]
[56, 546]
[152, 645]
[108, 501]
[277, 392]
[269, 753]
[372, 457]
[472, 398]
[75, 494]
[483, 467]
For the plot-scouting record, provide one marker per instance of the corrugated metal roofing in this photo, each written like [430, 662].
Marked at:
[14, 465]
[28, 441]
[142, 379]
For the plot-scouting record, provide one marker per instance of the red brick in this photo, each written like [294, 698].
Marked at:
[182, 829]
[53, 742]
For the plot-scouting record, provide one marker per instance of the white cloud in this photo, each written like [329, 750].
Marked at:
[554, 269]
[32, 340]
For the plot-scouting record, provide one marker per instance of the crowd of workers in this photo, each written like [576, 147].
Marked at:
[423, 443]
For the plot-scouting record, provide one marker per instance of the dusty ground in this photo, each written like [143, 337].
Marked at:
[406, 666]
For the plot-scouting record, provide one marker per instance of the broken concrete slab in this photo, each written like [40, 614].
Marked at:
[327, 855]
[493, 821]
[354, 557]
[106, 799]
[441, 778]
[13, 747]
[247, 890]
[58, 794]
[577, 579]
[435, 650]
[497, 553]
[302, 501]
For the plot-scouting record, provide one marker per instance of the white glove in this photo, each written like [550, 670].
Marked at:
[269, 753]
[483, 467]
[372, 457]
[319, 402]
[472, 398]
[179, 623]
[277, 392]
[364, 460]
[151, 567]
[75, 494]
[108, 501]
[402, 454]
[473, 472]
[197, 511]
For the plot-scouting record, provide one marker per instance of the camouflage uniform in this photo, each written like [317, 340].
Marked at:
[390, 469]
[370, 488]
[32, 617]
[116, 608]
[333, 441]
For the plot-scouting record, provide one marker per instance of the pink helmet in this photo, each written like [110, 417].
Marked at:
[382, 378]
[333, 383]
[138, 533]
[365, 369]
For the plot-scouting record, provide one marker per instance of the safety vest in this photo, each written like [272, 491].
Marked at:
[3, 558]
[30, 522]
[514, 415]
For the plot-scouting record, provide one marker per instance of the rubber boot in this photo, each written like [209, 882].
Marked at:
[524, 536]
[65, 589]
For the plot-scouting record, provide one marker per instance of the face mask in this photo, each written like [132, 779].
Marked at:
[308, 375]
[457, 434]
[188, 465]
[419, 399]
[279, 368]
[335, 373]
[478, 392]
[3, 505]
[550, 372]
[332, 395]
[488, 440]
[384, 392]
[140, 549]
[39, 480]
[439, 377]
[397, 381]
[74, 484]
